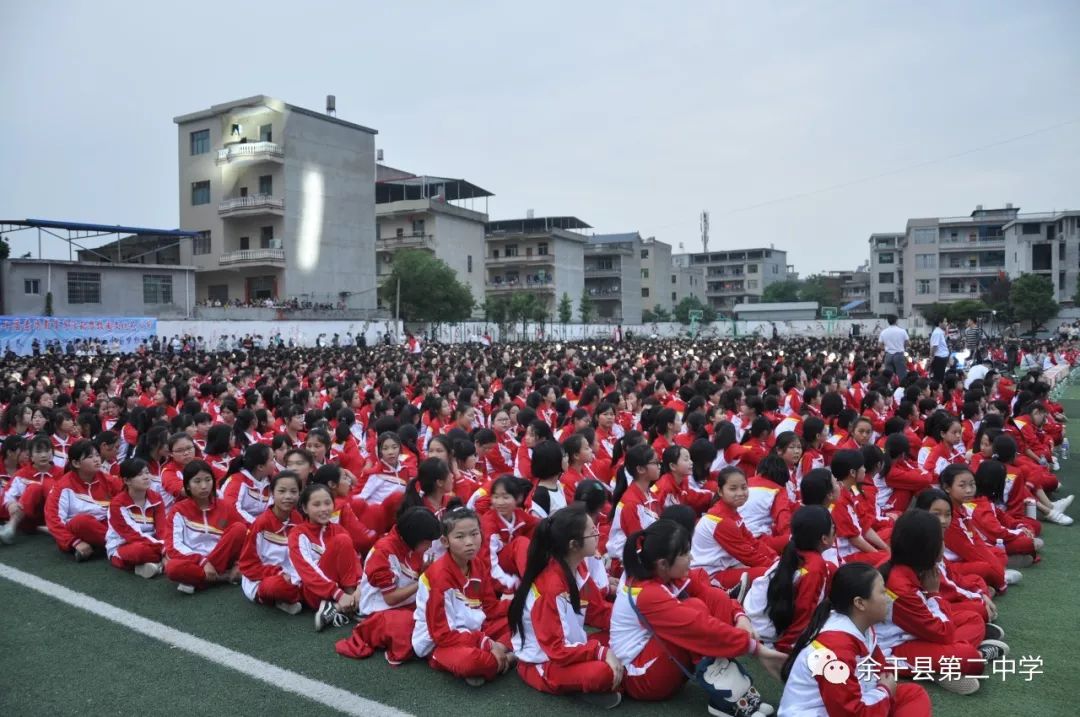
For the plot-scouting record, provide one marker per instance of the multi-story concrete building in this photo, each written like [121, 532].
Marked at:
[886, 274]
[737, 276]
[664, 281]
[285, 200]
[614, 275]
[434, 214]
[543, 256]
[1047, 244]
[852, 288]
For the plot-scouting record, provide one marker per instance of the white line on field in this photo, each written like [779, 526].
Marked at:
[287, 680]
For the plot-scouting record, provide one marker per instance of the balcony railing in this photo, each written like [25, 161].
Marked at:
[253, 256]
[970, 239]
[258, 151]
[535, 259]
[966, 269]
[548, 285]
[406, 241]
[253, 204]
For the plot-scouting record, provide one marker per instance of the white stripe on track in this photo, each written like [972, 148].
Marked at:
[286, 680]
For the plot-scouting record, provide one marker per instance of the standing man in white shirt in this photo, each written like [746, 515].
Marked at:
[894, 339]
[939, 350]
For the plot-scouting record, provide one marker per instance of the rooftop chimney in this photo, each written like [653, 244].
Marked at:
[978, 207]
[331, 105]
[378, 155]
[1008, 205]
[529, 214]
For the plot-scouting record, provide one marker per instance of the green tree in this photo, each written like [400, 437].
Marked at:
[960, 311]
[1032, 297]
[430, 290]
[820, 289]
[525, 307]
[997, 299]
[656, 314]
[585, 307]
[780, 291]
[934, 313]
[497, 311]
[566, 309]
[692, 303]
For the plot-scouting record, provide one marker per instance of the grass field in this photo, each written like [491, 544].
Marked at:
[57, 659]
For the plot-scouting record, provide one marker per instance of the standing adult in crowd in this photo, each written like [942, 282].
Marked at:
[894, 339]
[939, 350]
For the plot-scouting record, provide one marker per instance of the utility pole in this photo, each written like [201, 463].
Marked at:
[397, 306]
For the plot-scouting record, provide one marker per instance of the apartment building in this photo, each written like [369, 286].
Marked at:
[1047, 244]
[886, 274]
[284, 198]
[664, 281]
[738, 276]
[544, 256]
[435, 214]
[853, 289]
[613, 276]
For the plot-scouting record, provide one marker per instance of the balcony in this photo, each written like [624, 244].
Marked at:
[252, 257]
[533, 260]
[966, 270]
[543, 286]
[251, 152]
[972, 241]
[407, 241]
[594, 271]
[251, 206]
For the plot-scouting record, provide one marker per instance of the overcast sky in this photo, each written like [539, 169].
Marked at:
[631, 116]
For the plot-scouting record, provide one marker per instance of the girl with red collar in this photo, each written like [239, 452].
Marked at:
[665, 427]
[348, 510]
[904, 479]
[949, 448]
[386, 478]
[813, 436]
[322, 553]
[965, 546]
[722, 544]
[181, 452]
[535, 432]
[293, 426]
[604, 420]
[135, 539]
[467, 477]
[77, 509]
[267, 574]
[989, 516]
[26, 493]
[507, 528]
[460, 625]
[63, 425]
[551, 607]
[431, 489]
[767, 511]
[13, 455]
[579, 458]
[635, 505]
[500, 458]
[388, 588]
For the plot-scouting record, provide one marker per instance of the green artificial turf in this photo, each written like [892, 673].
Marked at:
[58, 660]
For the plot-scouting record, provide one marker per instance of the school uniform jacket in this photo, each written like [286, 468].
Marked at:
[914, 613]
[904, 480]
[266, 552]
[451, 608]
[389, 566]
[194, 531]
[28, 475]
[690, 493]
[810, 586]
[307, 543]
[635, 511]
[806, 695]
[72, 496]
[251, 496]
[721, 540]
[992, 520]
[130, 524]
[942, 456]
[383, 481]
[767, 510]
[552, 631]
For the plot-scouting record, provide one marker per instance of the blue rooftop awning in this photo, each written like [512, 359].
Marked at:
[853, 304]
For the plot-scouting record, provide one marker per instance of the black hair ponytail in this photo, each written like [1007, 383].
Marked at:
[663, 540]
[551, 540]
[637, 457]
[808, 526]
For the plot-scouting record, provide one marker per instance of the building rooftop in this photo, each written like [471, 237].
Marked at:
[395, 185]
[624, 238]
[257, 103]
[536, 224]
[1043, 217]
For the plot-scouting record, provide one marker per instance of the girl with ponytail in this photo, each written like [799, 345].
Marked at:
[635, 505]
[551, 608]
[506, 528]
[660, 626]
[842, 628]
[781, 602]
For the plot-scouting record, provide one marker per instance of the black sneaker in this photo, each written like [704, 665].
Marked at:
[600, 700]
[327, 615]
[994, 632]
[738, 592]
[992, 650]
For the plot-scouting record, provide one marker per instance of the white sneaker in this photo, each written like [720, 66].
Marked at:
[148, 570]
[960, 686]
[1057, 466]
[766, 709]
[185, 588]
[1019, 562]
[1039, 543]
[1012, 577]
[293, 608]
[1062, 503]
[7, 533]
[1058, 518]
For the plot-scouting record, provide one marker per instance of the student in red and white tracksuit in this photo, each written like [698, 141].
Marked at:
[459, 624]
[722, 545]
[77, 509]
[24, 499]
[661, 617]
[205, 534]
[636, 506]
[388, 588]
[249, 490]
[267, 574]
[767, 510]
[322, 553]
[507, 529]
[388, 477]
[137, 522]
[548, 615]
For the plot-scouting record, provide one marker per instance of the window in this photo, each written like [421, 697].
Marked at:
[494, 253]
[922, 286]
[201, 243]
[266, 133]
[511, 250]
[200, 193]
[751, 268]
[775, 269]
[885, 277]
[418, 227]
[200, 141]
[644, 253]
[886, 257]
[1029, 228]
[924, 236]
[266, 184]
[644, 273]
[1061, 251]
[644, 292]
[218, 292]
[469, 262]
[673, 299]
[926, 261]
[399, 232]
[245, 243]
[84, 287]
[32, 286]
[673, 280]
[751, 283]
[887, 297]
[266, 237]
[542, 248]
[604, 265]
[157, 289]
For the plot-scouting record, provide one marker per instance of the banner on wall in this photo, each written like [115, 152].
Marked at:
[17, 333]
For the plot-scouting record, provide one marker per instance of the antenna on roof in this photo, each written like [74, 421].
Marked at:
[529, 214]
[705, 232]
[378, 155]
[331, 105]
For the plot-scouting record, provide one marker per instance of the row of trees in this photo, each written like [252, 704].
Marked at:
[1029, 299]
[814, 288]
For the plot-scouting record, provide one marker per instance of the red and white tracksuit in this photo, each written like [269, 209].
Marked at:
[851, 516]
[324, 557]
[767, 512]
[970, 554]
[249, 494]
[457, 618]
[807, 695]
[29, 488]
[555, 654]
[79, 510]
[686, 620]
[725, 548]
[810, 586]
[636, 511]
[268, 575]
[506, 546]
[197, 536]
[136, 534]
